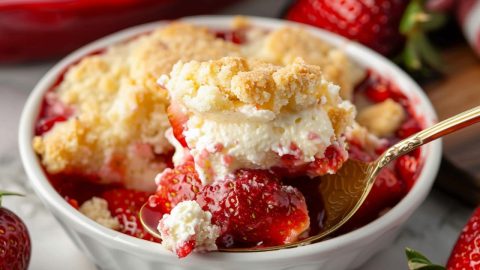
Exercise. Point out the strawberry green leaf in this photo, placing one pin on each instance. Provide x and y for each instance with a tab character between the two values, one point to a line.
409	20
419	54
417	261
411	56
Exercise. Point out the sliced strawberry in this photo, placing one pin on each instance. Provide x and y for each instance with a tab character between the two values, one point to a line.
387	191
466	252
253	208
125	204
175	185
178	120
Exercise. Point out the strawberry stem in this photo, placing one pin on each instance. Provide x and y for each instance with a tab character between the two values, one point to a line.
417	261
8	193
418	51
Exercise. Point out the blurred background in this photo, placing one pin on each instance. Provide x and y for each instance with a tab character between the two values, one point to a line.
437	42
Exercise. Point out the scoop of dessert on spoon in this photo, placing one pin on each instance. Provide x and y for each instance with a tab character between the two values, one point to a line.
344	192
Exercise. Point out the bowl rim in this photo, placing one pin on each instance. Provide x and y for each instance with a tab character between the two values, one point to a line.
337	245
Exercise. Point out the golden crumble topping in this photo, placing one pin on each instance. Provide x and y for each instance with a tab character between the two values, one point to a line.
284	45
231	82
118	128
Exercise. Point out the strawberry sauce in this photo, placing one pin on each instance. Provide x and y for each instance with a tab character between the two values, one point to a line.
392	183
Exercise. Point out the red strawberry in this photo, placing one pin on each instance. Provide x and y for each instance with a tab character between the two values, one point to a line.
466	252
15	246
175	185
331	162
253	208
374	23
178	120
385	193
407	167
409	127
382	25
125	204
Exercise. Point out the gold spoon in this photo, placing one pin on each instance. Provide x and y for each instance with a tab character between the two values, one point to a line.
344	192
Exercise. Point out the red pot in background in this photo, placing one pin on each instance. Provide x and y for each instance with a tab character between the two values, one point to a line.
42	29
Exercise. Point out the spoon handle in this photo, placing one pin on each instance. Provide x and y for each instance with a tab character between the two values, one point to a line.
427	135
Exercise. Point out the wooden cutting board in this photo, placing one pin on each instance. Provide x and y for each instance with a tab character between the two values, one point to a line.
459	90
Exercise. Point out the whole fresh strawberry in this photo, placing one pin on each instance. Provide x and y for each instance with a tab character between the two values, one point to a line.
125	204
15	246
465	254
386	26
374	23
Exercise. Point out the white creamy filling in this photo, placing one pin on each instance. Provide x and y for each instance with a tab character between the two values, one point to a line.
221	146
187	221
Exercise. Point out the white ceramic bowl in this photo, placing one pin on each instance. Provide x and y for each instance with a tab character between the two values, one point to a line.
113	250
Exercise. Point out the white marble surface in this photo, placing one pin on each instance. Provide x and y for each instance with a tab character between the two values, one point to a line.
433	229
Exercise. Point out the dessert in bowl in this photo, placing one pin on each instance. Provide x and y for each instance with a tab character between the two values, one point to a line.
204	81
